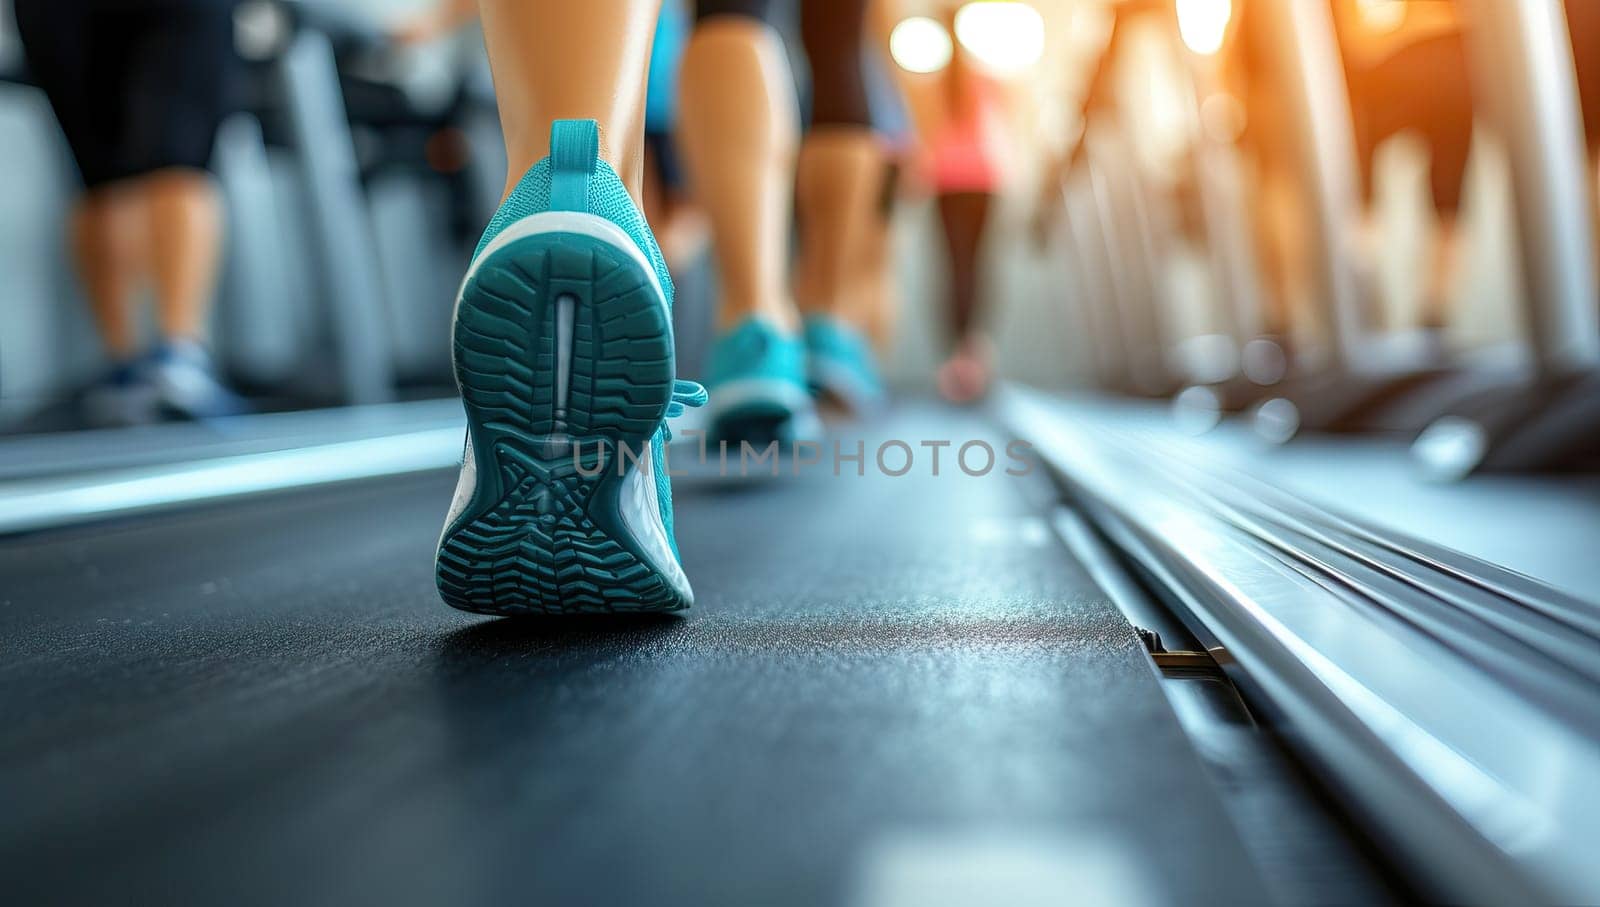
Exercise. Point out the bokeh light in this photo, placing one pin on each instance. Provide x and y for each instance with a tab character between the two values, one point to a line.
1003	36
920	44
1204	24
1386	15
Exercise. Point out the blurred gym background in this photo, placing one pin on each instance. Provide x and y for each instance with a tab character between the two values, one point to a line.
1278	273
421	134
423	138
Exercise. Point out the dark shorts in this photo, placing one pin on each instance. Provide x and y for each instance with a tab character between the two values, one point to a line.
664	156
137	85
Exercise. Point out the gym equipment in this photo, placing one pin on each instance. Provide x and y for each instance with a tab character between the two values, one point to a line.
1552	416
354	195
1428	687
1479	409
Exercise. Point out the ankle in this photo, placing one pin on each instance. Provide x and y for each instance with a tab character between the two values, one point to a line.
779	315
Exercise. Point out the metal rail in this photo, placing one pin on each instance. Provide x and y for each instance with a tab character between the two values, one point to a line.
1449	701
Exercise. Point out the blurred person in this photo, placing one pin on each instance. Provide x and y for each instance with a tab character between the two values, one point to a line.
966	179
679	223
870	261
843	192
1405	71
1408	74
959	122
735	112
1583	25
739	139
1098	100
139	89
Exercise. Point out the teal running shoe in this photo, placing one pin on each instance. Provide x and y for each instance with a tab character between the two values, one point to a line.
757	377
841	366
563	352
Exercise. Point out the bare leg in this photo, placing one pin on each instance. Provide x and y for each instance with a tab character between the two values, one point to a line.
737	124
879	304
1442	274
556	59
1280	242
838	191
183	210
965	375
106	242
1594	196
963	216
841	171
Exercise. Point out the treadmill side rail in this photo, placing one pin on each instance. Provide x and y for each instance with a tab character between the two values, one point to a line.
1455	713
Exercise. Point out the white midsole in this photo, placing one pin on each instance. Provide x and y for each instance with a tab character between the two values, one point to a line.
734	395
639	503
641	513
579	222
843	380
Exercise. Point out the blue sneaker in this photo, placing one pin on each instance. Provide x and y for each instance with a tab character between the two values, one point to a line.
757	375
122	397
841	366
563	352
188	384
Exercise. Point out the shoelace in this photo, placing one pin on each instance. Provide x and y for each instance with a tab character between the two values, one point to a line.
684	395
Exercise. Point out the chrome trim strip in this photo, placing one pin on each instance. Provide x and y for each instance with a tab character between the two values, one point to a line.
1492	793
35	504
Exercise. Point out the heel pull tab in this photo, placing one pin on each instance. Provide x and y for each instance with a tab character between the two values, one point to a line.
574	154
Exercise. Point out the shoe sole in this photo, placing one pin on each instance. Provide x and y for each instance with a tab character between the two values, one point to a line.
760	411
838	386
563	352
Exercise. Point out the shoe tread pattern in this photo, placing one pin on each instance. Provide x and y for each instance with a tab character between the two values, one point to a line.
541	536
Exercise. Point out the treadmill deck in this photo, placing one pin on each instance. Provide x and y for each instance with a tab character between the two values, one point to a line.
888	689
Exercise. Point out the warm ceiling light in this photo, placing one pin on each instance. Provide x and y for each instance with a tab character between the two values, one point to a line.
1204	24
1384	14
1003	35
920	44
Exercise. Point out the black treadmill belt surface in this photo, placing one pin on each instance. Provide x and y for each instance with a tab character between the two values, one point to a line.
888	688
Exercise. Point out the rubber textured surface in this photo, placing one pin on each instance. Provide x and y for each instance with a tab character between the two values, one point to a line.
563	351
266	704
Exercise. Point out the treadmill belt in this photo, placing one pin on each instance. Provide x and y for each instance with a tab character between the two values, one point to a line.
890	690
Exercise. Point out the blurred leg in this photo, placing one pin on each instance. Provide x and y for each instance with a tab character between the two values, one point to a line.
183	214
1445	264
75	56
1594	195
737	129
1280	240
107	245
841	168
964	216
557	59
678	222
879	305
174	76
1447	126
965	375
838	188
